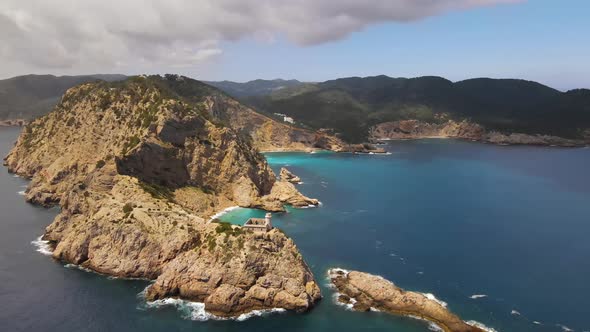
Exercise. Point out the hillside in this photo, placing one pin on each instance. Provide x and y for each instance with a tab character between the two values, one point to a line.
30	96
138	167
351	106
255	87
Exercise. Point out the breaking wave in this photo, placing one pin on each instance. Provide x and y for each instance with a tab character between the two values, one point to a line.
477	296
222	212
42	246
78	267
431	297
480	326
196	310
431	325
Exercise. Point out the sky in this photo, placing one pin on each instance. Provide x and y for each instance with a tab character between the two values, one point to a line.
309	40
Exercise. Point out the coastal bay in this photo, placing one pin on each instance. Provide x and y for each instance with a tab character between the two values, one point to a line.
385	214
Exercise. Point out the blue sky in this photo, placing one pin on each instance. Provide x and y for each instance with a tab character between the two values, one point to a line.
542	40
310	40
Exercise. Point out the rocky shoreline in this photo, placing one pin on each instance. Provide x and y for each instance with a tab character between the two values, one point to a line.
136	171
365	292
414	129
13	123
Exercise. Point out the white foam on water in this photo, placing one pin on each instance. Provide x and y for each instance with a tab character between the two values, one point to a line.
306	207
536	322
515	313
431	325
259	313
480	326
337	271
196	310
15	176
81	268
420	272
431	297
42	246
347	306
392	255
222	212
563	327
477	296
22	193
374	309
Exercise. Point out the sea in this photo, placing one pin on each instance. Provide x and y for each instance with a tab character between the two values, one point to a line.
499	233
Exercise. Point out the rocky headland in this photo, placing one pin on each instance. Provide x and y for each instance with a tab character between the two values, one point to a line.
363	292
415	129
136	167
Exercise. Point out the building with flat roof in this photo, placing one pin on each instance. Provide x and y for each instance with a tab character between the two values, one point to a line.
260	225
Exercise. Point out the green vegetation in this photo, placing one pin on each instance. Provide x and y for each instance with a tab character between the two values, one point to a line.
100	163
256	87
157	191
31	96
130	144
127	209
352	105
226	228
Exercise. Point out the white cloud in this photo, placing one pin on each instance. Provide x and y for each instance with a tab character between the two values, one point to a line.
96	35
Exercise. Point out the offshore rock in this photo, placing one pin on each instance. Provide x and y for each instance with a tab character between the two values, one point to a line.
365	291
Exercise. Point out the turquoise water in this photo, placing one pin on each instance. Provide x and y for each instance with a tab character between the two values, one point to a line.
446	217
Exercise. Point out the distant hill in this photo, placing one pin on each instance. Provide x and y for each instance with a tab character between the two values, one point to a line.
352	105
254	88
29	96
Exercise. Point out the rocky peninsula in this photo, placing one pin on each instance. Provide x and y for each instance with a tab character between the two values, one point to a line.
364	292
415	129
136	167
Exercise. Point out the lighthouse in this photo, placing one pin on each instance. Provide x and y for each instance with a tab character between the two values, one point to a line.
268	219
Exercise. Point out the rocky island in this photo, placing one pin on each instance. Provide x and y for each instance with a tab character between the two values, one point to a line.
364	292
137	166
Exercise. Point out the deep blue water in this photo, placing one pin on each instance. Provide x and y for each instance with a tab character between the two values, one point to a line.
446	217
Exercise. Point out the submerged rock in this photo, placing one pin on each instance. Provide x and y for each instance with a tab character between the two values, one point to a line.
363	292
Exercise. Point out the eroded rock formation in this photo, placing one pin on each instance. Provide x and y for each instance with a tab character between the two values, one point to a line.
286	175
136	167
364	291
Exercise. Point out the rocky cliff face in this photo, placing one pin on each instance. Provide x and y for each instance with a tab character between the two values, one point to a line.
137	169
415	129
363	291
268	134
